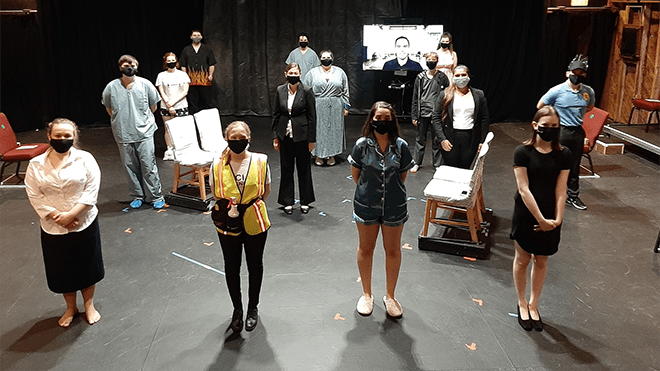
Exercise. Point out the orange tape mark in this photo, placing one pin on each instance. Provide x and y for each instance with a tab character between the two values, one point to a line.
470	259
479	301
128	230
339	317
359	279
407	246
167	205
206	212
472	346
208	243
161	211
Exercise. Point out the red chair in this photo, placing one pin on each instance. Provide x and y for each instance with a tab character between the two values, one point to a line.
592	123
651	105
11	152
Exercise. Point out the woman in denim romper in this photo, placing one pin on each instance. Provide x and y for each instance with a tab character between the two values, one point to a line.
381	160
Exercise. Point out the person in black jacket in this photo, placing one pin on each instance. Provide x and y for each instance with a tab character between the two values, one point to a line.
294	135
427	86
460	119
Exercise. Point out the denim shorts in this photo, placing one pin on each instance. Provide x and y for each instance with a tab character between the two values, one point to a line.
390	221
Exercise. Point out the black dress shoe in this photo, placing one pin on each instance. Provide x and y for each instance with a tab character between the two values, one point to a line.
304	209
537	325
252	319
526	324
288	210
237	320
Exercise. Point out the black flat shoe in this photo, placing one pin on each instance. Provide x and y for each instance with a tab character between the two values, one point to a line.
537	325
252	319
288	210
304	209
526	324
237	320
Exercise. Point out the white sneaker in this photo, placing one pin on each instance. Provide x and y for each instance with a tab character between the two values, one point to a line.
414	169
365	305
393	307
169	155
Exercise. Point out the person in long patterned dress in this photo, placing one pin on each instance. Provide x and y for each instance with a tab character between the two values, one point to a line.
330	86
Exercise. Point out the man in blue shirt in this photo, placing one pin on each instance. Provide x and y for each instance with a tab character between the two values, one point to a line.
572	100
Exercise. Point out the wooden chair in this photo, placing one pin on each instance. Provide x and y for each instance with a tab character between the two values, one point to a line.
189	159
459	191
11	152
210	131
593	123
651	105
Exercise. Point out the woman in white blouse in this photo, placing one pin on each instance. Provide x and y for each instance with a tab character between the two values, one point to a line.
460	120
62	185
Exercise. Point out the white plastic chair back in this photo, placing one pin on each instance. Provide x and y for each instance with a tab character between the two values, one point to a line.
184	139
210	131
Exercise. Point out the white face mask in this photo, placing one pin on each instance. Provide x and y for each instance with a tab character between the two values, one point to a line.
461	82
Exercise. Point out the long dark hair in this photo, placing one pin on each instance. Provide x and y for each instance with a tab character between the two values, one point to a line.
450	90
368	130
543	112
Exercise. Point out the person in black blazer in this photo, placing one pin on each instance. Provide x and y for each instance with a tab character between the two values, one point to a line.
460	120
294	136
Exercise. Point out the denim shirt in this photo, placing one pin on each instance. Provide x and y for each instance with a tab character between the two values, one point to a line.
380	190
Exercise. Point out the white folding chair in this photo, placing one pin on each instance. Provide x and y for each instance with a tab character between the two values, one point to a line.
210	131
189	159
458	190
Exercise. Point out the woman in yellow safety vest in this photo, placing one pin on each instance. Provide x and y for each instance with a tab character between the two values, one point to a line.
242	178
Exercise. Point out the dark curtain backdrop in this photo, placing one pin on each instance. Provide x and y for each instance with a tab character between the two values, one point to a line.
57	64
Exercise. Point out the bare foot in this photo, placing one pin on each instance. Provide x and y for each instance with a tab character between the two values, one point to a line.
66	319
92	315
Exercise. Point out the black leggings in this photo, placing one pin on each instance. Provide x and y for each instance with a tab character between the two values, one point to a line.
462	153
232	250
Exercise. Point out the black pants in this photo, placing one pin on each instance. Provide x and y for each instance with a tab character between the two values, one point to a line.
232	250
423	126
572	137
295	155
461	154
199	98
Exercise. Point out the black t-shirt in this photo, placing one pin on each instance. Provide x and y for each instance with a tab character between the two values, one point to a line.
197	63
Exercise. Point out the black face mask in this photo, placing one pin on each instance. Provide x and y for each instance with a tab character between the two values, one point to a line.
326	62
445	45
61	145
383	127
238	146
129	71
431	65
547	134
303	44
293	80
171	64
575	79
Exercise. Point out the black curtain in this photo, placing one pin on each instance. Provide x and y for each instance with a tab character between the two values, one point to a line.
57	63
251	39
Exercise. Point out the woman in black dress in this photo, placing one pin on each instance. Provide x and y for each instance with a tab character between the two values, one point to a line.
62	185
294	135
541	167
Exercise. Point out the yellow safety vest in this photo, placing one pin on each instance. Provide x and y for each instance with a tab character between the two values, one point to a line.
255	219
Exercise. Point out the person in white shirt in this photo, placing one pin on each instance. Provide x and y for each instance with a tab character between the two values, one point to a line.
460	120
62	185
173	86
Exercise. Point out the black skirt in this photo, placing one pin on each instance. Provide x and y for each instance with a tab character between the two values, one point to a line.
73	261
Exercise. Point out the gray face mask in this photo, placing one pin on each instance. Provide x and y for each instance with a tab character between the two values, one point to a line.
196	40
461	82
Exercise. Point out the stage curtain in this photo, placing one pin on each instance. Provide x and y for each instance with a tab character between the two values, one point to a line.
251	39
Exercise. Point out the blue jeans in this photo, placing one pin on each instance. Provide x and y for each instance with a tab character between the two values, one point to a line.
139	160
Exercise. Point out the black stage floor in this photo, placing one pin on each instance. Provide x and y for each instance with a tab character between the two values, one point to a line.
601	301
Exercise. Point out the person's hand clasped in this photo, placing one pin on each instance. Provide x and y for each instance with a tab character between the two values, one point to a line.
546	225
65	219
446	145
276	144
